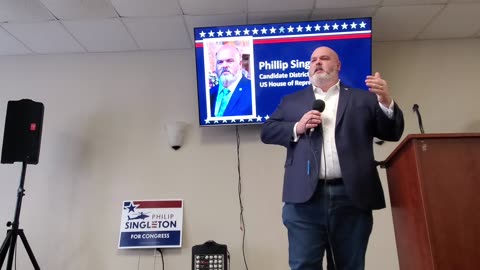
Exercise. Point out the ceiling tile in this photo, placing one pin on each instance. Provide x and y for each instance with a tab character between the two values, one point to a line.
11	46
346	3
103	35
278	17
389	23
213	7
129	8
449	25
279	5
342	13
80	9
159	32
214	20
44	37
124	25
23	11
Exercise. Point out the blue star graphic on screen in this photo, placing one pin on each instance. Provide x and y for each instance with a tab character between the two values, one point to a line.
130	206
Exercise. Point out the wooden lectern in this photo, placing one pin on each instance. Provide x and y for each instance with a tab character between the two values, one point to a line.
434	185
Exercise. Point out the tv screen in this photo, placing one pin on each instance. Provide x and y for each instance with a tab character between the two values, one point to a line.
243	71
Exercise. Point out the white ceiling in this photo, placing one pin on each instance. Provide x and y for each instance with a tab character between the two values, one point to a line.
80	26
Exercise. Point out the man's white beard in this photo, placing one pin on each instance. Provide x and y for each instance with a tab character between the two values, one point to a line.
227	79
319	79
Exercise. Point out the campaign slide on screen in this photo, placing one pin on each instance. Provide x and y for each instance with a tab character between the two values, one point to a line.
244	71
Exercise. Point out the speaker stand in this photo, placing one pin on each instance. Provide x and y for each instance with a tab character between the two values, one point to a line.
11	239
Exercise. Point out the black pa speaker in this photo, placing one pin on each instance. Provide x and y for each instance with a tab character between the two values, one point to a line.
23	131
210	256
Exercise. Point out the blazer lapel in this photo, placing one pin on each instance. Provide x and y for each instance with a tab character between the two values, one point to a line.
344	97
309	98
233	100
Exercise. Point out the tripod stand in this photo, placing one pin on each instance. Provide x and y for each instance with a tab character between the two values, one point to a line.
11	239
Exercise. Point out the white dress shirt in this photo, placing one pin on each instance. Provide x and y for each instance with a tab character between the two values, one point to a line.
329	163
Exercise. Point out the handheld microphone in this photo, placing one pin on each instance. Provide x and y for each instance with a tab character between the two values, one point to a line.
318	105
419	117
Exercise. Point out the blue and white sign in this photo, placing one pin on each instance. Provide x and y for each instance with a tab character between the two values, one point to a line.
151	224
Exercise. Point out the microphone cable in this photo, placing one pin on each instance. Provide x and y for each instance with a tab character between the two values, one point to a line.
315	168
325	202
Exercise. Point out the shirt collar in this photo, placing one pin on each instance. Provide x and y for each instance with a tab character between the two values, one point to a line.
334	88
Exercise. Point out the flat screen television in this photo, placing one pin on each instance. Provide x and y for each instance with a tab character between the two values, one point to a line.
251	67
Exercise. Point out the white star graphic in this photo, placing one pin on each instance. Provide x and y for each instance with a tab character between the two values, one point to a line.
246	31
237	32
308	28
233	121
344	26
326	27
255	31
362	24
224	121
259	118
250	120
241	120
267	117
220	33
202	34
353	25
290	29
282	29
318	27
299	28
216	122
211	33
229	33
273	30
335	26
207	121
264	30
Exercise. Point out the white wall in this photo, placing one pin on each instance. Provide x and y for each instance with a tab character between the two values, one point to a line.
103	142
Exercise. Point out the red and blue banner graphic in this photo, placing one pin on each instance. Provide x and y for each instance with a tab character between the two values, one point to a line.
151	224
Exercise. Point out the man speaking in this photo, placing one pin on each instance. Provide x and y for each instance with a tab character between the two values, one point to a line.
331	183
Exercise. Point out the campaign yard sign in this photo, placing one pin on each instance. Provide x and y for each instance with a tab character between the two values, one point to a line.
151	224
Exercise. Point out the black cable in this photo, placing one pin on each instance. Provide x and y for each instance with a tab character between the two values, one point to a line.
242	220
312	169
228	259
161	255
326	200
316	165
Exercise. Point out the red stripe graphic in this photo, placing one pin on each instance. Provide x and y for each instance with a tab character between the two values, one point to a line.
158	204
317	38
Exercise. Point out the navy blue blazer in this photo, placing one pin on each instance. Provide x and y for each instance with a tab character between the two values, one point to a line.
359	119
241	101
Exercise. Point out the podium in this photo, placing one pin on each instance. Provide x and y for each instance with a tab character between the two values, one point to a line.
434	186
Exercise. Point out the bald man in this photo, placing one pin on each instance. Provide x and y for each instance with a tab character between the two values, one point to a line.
331	184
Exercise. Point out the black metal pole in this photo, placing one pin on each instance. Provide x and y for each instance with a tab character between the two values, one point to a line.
11	239
16	220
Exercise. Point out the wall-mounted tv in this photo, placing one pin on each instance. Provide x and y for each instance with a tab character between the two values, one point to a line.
243	71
